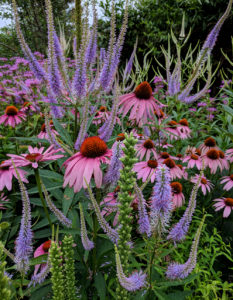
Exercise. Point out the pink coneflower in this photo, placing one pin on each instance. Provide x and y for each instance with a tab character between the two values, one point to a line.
35	156
211	160
228	180
141	103
43	134
164	155
147	148
7	174
175	171
223	160
111	205
178	197
85	163
41	250
205	183
28	107
208	144
229	155
183	128
3	200
145	169
172	130
226	203
102	115
193	161
183	170
12	116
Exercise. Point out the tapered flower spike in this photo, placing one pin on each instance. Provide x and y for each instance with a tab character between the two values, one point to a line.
144	223
174	81
179	231
113	172
181	271
161	201
68	255
23	248
53	72
51	136
111	233
92	46
126	184
87	244
5	292
41	276
60	216
83	129
129	65
36	68
57	278
106	130
202	57
132	283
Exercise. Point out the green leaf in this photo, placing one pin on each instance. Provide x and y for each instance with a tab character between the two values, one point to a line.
63	132
39	260
228	109
100	286
67	199
51	175
177	282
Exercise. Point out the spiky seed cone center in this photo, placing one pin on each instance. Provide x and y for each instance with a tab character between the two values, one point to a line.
180	166
5	167
26	103
152	163
46	246
176	187
143	91
103	109
172	124
203	181
148	144
32	157
210	142
93	147
231	176
165	155
228	201
11	110
221	154
120	137
169	163
184	122
212	154
194	156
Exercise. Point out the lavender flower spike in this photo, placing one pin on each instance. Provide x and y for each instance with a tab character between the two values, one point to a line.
134	282
87	244
106	130
41	276
111	233
61	217
36	68
161	204
144	223
23	248
181	271
113	172
179	231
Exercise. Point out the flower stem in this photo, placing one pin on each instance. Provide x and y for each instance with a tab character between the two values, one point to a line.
38	182
75	122
95	230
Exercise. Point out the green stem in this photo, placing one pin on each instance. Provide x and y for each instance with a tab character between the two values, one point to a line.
75	123
95	231
38	182
150	266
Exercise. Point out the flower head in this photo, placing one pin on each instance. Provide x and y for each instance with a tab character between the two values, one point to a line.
146	169
85	163
7	174
12	116
226	203
146	148
141	103
228	180
205	183
178	197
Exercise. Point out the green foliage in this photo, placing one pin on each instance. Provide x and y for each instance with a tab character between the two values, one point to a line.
5	292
